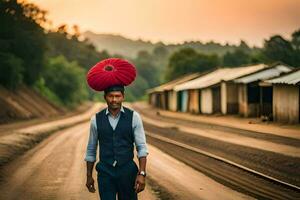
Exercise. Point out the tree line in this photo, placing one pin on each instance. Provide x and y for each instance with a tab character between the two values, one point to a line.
276	48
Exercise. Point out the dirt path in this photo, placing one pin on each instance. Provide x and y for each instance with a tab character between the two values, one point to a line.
54	169
12	127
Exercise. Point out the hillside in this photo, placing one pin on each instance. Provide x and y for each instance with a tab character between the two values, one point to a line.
116	44
24	103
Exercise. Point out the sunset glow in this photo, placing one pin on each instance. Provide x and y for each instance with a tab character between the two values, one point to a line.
219	20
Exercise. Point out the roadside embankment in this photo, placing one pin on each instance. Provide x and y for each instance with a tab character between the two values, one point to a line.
18	141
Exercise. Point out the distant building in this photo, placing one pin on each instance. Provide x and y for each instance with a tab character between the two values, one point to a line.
205	100
254	100
285	96
164	96
215	92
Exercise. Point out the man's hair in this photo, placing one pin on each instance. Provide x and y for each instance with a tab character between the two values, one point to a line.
106	93
114	88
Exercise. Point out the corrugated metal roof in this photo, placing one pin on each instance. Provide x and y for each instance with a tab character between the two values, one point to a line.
264	74
292	78
171	84
242	71
217	76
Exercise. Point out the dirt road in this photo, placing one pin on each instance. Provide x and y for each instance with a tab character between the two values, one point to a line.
54	169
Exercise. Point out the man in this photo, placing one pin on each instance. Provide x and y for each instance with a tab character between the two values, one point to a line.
117	129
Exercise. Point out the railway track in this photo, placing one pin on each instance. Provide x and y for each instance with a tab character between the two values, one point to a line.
229	173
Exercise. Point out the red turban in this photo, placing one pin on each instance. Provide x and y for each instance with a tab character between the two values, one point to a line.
110	72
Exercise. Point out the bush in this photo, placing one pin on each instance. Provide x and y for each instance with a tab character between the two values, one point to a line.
11	70
46	92
66	80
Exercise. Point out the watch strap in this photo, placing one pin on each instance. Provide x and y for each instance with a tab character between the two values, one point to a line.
143	173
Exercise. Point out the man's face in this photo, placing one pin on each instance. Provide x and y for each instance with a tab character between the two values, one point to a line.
114	99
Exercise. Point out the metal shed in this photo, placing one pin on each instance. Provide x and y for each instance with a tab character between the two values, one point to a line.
254	100
218	92
286	96
206	99
164	97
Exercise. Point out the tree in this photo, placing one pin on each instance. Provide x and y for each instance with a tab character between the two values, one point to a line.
160	56
296	40
296	45
59	43
236	58
187	60
244	46
137	89
21	35
160	52
146	68
65	79
11	69
279	49
240	56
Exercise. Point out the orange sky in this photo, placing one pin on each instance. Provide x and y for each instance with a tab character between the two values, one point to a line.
173	21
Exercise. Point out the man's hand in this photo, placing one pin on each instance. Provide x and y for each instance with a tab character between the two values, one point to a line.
139	183
90	184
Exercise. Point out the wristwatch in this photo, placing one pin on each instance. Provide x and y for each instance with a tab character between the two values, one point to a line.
143	173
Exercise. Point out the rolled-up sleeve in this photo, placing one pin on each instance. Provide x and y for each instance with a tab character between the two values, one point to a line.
139	135
91	150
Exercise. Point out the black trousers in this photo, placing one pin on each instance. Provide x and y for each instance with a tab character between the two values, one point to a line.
117	181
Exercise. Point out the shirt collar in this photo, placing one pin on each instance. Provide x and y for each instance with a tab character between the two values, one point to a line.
107	111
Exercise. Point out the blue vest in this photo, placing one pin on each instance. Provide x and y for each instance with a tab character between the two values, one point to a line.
116	146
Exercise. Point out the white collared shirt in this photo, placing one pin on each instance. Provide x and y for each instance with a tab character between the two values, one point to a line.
138	131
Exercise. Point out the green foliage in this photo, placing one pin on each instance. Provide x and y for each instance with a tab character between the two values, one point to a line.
22	36
279	49
147	76
74	49
160	58
99	97
257	57
188	61
160	52
129	97
242	55
65	79
149	69
24	47
146	68
296	40
296	46
41	87
138	88
85	54
144	97
11	70
275	49
236	58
